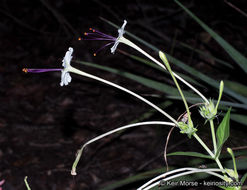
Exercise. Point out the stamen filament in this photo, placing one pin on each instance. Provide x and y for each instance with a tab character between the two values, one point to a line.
100	33
102	48
26	70
103	39
96	34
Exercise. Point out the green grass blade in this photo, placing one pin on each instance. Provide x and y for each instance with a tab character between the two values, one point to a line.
193	154
205	78
244	178
165	39
239	118
237	87
234	54
144	81
226	64
194	100
153	65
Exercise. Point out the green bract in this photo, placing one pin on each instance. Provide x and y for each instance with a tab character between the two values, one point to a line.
232	173
186	129
208	111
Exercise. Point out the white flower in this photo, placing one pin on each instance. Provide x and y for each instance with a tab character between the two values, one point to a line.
120	35
65	76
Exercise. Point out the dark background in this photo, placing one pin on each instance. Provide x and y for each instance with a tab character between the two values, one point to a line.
42	124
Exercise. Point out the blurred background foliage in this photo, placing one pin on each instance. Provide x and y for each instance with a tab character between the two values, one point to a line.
42	125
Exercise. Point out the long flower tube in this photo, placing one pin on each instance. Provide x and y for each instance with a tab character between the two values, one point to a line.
79	72
131	44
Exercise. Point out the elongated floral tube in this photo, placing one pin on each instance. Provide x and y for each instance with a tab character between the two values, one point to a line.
77	71
131	44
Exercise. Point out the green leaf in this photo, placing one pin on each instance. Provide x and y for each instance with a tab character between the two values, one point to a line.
244	178
234	54
207	55
194	154
144	81
223	131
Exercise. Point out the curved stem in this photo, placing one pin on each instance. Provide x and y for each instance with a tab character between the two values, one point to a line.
164	175
131	44
164	59
79	153
74	70
26	183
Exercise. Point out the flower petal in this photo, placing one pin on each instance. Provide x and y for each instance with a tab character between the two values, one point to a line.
120	34
67	58
65	78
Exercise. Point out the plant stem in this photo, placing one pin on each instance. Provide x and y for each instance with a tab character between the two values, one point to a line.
209	151
79	152
203	145
164	59
229	150
219	164
26	183
213	135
